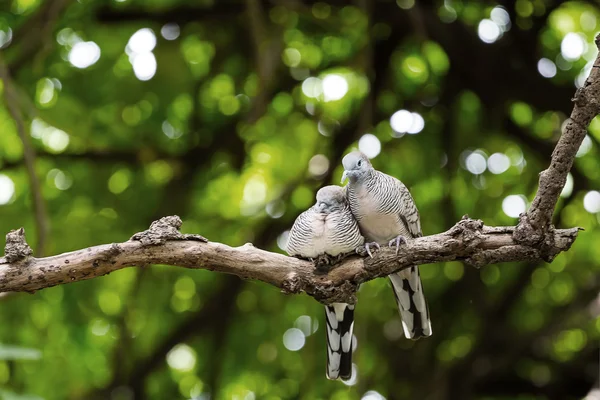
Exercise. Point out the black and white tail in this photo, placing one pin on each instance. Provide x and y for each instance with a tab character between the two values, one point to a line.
340	322
411	303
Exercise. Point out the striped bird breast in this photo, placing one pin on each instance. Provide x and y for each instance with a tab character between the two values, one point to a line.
331	235
377	223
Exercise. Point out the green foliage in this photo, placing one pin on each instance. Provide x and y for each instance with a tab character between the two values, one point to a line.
242	120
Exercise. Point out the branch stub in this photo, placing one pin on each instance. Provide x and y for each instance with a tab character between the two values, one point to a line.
16	248
166	228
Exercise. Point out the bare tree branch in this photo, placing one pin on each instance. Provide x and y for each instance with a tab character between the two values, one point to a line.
468	240
11	101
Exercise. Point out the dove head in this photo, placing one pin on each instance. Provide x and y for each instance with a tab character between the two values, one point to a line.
356	167
330	198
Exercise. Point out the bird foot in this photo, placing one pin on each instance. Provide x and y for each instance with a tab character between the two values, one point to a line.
323	260
361	250
396	242
367	248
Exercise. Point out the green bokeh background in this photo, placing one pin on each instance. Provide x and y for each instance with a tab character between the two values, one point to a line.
225	135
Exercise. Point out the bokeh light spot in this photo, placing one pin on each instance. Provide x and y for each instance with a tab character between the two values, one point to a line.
282	240
514	205
144	66
546	68
55	139
369	145
335	87
372	395
500	16
5	37
61	180
498	163
84	54
591	201
417	125
585	147
275	208
353	377
318	165
404	121
476	162
568	188
312	87
292	57
306	324
572	46
142	41
488	31
293	339
170	31
7	189
182	358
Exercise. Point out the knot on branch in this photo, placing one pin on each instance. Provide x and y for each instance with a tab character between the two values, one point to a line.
166	228
16	248
470	232
526	234
548	242
292	284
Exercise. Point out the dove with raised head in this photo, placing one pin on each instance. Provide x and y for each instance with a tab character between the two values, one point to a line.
387	215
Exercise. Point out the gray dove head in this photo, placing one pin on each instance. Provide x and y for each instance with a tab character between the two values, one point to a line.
356	166
330	198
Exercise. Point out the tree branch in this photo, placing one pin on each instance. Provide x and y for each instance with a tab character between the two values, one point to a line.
469	240
11	100
534	225
36	34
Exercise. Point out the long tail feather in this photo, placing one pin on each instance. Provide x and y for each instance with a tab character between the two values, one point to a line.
411	303
340	323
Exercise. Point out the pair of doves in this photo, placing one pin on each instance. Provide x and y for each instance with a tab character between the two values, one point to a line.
373	209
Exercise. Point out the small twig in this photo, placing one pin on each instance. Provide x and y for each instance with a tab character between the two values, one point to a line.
12	101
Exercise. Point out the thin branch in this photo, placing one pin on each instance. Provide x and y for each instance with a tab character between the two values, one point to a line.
469	240
266	53
538	220
11	101
36	34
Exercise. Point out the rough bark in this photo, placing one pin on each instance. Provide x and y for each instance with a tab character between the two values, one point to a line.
469	240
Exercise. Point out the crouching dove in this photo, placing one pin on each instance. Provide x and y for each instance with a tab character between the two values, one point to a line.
329	229
387	214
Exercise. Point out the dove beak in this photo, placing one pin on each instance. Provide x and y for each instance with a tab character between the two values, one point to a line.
344	176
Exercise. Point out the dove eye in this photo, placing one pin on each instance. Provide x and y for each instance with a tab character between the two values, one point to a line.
359	163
